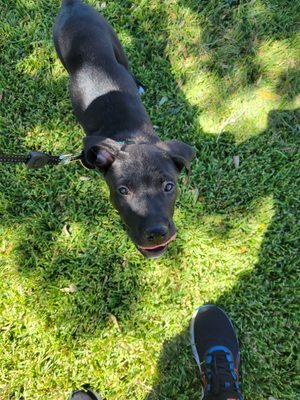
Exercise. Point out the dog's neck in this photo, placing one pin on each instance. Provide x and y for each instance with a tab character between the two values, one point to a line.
146	135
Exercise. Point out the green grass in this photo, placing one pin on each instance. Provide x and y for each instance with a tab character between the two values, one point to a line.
229	72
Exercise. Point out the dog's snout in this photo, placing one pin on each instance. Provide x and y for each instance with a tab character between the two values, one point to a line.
157	233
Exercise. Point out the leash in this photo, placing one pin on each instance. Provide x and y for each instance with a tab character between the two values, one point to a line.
36	159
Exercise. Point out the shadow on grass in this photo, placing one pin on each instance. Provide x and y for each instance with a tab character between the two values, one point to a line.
233	30
288	85
262	304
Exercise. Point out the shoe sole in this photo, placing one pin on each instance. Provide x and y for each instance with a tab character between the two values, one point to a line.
194	349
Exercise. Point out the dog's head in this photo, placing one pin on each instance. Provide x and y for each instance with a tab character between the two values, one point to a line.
142	180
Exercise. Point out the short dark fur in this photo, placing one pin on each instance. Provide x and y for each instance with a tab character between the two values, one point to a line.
120	140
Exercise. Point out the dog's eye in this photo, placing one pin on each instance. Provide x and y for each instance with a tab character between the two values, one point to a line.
123	190
169	186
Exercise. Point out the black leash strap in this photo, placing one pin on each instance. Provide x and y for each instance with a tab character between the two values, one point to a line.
37	159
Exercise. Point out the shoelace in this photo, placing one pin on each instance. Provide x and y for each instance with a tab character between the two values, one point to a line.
221	376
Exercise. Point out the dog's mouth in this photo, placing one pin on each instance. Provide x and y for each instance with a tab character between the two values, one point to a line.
156	250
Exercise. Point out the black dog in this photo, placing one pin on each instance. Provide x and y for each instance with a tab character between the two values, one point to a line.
140	170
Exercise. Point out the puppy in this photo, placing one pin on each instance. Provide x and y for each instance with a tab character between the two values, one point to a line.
140	169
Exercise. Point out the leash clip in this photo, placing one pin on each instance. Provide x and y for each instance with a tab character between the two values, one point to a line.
66	158
37	159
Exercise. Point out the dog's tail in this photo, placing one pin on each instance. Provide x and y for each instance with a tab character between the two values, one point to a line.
69	2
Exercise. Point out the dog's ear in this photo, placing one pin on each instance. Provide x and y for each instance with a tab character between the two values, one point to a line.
180	153
100	152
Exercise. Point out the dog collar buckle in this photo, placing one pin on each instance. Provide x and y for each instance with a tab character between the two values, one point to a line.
125	141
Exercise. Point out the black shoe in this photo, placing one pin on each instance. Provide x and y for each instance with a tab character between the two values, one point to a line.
86	394
216	351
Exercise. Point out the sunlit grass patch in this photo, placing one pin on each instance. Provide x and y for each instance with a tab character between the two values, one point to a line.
226	105
236	76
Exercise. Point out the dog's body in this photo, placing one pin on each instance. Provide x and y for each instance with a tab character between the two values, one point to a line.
141	171
103	92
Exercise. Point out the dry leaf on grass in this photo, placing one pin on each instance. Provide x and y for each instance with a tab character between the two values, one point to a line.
236	161
268	95
185	180
163	100
71	289
196	195
185	53
66	231
113	320
6	249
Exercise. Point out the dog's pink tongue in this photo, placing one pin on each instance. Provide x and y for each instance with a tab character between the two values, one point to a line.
158	245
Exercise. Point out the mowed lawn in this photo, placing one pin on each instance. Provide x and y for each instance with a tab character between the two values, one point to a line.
78	303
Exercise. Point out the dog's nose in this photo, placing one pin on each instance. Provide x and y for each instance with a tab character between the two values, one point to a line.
157	233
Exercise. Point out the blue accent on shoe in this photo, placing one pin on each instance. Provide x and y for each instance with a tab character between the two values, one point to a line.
221	348
210	369
208	359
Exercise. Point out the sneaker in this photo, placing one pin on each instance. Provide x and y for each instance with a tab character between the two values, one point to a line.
216	351
86	394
